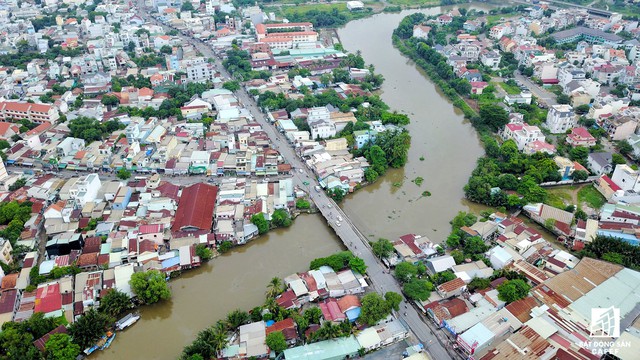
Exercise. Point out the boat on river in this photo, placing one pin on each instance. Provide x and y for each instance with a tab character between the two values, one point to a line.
127	321
103	343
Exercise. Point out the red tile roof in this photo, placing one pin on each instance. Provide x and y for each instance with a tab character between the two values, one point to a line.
612	185
9	281
451	286
8	301
281	325
48	298
521	309
196	206
348	302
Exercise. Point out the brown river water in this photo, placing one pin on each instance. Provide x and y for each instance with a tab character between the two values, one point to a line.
238	279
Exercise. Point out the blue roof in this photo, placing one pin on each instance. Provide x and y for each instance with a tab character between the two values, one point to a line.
353	314
171	262
270	322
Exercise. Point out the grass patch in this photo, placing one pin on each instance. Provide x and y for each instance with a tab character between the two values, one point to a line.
418	181
556	89
558	198
591	197
288	10
510	89
397	184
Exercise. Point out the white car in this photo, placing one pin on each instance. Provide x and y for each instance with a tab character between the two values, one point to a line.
329	206
339	218
300	171
338	223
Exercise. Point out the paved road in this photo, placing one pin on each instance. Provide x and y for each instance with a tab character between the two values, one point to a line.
542	94
381	280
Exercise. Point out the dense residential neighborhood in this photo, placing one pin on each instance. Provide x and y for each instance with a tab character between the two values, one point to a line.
139	140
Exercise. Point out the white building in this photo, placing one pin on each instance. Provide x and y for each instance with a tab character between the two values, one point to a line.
86	189
626	178
561	118
522	134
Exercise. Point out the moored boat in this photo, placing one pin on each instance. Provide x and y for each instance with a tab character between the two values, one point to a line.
127	321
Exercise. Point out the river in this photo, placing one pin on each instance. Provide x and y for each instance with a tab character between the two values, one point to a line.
440	134
444	145
236	280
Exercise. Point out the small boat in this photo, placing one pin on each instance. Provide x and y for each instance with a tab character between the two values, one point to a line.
90	350
110	337
127	321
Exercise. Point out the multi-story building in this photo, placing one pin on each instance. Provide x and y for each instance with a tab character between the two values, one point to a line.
561	118
286	36
37	113
522	134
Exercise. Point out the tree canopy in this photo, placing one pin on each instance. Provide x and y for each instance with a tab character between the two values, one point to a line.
276	341
512	290
60	347
150	286
374	308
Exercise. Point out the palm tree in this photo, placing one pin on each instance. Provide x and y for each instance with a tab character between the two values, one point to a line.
236	318
274	288
219	337
271	305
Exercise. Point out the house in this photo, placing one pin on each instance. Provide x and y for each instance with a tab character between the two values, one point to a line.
440	263
560	119
522	134
421	31
586	231
195	209
7	130
491	59
607	187
600	163
634	141
580	136
620	127
452	288
287	327
252	340
444	19
9	302
626	178
499	257
477	87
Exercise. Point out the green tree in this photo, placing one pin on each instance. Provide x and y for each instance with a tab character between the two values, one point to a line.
393	300
276	341
613	257
417	289
479	284
624	147
187	6
204	252
337	194
374	308
225	246
281	218
302	204
231	85
275	287
110	100
259	221
405	271
357	264
88	328
60	347
579	175
493	116
123	174
150	286
382	248
582	109
617	159
453	240
475	245
237	318
563	99
166	49
512	290
115	303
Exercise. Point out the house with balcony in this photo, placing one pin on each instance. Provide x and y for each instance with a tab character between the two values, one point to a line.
580	136
522	134
560	119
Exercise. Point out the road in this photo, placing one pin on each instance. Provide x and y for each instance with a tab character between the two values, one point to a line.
353	239
543	95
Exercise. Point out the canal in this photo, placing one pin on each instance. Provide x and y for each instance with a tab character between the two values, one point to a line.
236	280
444	146
393	206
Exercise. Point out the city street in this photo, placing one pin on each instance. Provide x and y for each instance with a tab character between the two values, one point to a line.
543	95
379	277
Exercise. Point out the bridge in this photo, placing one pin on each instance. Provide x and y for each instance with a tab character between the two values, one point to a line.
381	280
564	4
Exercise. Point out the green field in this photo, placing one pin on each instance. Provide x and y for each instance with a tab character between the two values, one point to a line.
590	196
559	197
510	89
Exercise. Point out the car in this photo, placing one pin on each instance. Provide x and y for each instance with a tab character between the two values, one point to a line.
338	223
339	218
306	183
300	171
329	206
